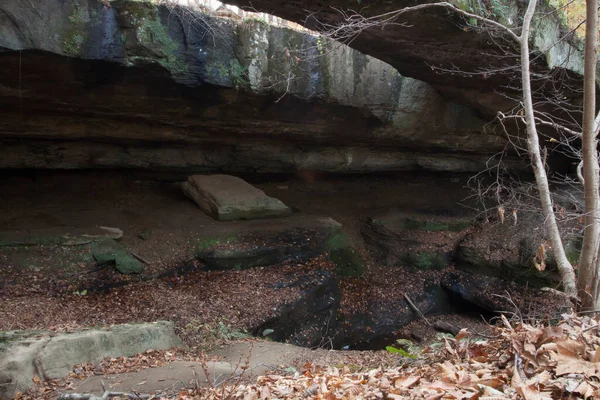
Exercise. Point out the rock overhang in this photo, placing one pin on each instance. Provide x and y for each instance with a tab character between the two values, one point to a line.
437	45
138	79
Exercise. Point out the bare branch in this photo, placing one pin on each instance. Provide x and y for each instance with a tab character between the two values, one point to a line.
355	23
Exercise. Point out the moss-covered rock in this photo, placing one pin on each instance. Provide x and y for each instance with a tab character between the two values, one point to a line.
344	255
417	241
241	258
272	247
146	36
573	249
433	225
76	36
423	260
211	243
111	252
513	252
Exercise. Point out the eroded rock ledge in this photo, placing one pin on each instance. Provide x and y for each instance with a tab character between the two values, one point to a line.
453	54
141	86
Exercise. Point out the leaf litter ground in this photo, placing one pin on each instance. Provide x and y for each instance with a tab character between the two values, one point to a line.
517	361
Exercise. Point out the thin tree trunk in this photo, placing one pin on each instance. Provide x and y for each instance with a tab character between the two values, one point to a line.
564	266
587	282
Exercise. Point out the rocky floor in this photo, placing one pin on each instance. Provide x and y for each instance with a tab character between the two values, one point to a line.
62	287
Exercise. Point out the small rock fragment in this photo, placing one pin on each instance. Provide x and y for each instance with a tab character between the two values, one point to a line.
111	252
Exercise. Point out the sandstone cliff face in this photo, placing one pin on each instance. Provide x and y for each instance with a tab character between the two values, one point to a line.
453	54
145	86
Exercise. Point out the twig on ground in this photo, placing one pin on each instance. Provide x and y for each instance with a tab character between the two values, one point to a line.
142	259
105	396
446	328
196	379
505	322
419	313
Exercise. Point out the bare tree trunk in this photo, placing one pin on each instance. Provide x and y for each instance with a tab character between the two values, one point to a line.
587	282
565	269
564	266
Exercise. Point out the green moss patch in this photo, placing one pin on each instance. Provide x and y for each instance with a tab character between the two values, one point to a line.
75	37
573	249
151	33
211	243
153	36
111	252
433	226
426	260
345	257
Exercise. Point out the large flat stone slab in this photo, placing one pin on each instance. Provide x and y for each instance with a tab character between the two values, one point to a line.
228	198
167	378
260	357
63	236
23	356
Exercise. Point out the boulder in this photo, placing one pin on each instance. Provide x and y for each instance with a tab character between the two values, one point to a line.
417	242
491	294
511	251
111	252
228	198
25	355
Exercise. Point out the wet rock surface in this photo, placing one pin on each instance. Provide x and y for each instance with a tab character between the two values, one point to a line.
311	321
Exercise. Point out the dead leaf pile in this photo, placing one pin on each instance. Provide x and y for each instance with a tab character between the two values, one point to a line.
521	362
49	388
518	362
